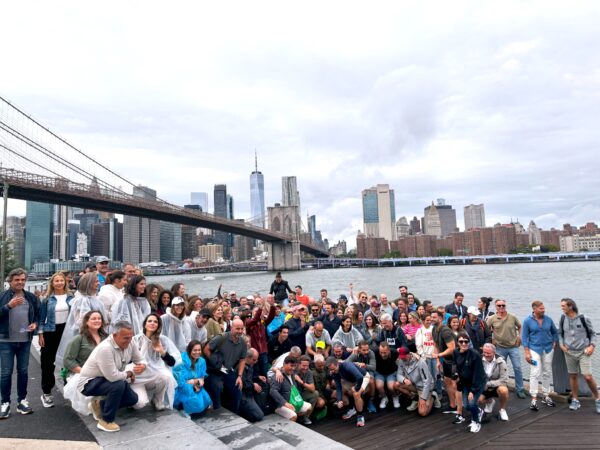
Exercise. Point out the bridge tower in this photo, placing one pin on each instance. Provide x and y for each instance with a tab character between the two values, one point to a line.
284	255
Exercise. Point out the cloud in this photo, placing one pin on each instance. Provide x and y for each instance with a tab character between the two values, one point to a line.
492	103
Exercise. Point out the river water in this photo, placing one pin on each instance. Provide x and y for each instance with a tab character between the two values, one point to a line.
518	284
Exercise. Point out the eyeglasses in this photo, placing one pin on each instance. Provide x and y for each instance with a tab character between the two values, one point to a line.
463	341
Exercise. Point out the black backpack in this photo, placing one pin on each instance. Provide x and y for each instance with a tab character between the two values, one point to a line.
583	323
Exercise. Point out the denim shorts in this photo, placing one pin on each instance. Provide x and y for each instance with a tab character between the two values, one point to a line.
385	378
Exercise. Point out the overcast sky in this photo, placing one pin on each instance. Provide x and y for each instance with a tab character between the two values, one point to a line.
474	102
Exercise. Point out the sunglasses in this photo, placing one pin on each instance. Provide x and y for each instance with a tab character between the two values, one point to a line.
463	341
500	306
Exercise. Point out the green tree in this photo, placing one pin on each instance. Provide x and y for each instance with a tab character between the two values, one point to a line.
445	252
10	262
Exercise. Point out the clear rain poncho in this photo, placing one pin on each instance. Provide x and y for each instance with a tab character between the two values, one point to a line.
80	306
156	365
132	310
173	328
192	331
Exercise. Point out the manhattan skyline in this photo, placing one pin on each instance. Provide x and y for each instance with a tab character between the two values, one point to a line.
467	104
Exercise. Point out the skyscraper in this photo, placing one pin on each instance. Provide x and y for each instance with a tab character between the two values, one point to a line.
222	209
141	236
402	227
60	236
289	192
170	242
442	213
379	212
257	196
38	233
201	199
474	216
15	235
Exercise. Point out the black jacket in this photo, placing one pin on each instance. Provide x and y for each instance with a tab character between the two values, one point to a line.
280	290
452	309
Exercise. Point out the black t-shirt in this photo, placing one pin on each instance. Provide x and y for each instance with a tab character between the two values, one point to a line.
387	366
442	337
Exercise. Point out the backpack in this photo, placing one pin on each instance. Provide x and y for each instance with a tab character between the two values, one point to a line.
583	323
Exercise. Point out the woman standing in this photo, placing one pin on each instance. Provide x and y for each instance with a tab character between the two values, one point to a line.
84	301
164	302
471	379
371	328
152	291
214	325
54	311
174	322
483	304
78	351
347	335
112	291
190	394
410	330
161	355
178	290
134	307
194	305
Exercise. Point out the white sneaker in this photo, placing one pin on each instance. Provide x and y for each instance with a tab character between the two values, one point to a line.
396	401
47	400
489	406
475	427
413	406
436	400
503	415
383	403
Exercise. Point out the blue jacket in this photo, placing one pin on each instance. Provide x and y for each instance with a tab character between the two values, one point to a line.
47	320
350	372
539	339
34	311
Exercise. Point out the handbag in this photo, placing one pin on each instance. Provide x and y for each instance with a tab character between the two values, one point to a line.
296	399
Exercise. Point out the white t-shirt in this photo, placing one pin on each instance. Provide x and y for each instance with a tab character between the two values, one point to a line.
62	309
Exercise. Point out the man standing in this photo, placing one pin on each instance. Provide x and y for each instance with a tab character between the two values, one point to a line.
330	320
444	354
102	263
302	298
506	337
393	335
279	343
107	373
539	337
19	314
578	340
280	288
456	308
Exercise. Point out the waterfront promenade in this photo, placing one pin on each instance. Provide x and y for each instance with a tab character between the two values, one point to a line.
61	427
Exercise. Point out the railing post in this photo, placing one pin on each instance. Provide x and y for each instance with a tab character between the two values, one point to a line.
3	245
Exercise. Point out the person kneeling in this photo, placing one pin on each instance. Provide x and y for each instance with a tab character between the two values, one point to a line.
414	380
286	395
106	373
190	394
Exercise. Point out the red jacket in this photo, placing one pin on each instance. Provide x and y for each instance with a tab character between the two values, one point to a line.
257	331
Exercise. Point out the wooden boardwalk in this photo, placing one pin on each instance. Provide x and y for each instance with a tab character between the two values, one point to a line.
549	428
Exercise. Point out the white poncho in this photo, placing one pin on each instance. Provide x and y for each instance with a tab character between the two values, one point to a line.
173	328
132	310
156	365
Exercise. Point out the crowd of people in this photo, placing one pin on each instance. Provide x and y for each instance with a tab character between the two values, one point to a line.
118	341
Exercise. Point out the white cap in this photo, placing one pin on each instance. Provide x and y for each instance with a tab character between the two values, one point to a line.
473	310
177	301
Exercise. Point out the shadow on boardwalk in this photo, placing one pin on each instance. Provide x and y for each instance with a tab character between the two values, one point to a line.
548	428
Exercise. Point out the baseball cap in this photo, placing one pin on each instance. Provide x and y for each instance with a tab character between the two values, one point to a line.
473	310
320	344
343	297
177	301
100	259
250	297
403	353
375	303
90	265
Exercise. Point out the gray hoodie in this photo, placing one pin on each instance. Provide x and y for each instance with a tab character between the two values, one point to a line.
573	335
417	371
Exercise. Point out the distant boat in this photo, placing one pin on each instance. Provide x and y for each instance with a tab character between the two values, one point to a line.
207	278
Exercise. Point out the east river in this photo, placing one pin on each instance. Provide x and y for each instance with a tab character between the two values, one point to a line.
519	284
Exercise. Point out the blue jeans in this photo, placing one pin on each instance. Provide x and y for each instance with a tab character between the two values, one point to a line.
515	358
432	364
8	352
472	406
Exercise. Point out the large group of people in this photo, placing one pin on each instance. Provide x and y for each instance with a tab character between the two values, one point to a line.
118	341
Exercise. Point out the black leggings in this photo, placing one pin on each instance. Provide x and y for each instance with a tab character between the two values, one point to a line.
48	355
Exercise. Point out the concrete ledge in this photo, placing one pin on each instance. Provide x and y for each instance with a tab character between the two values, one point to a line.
27	444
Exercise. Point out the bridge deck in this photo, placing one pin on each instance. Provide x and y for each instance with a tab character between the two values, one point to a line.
548	428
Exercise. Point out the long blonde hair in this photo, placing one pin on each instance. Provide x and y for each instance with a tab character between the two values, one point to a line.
50	290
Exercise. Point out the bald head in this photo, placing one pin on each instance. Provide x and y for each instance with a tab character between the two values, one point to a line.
237	328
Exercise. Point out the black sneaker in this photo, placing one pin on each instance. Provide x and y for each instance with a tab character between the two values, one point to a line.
23	407
4	410
534	406
458	420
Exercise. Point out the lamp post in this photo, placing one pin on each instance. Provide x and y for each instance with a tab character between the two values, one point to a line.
3	240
